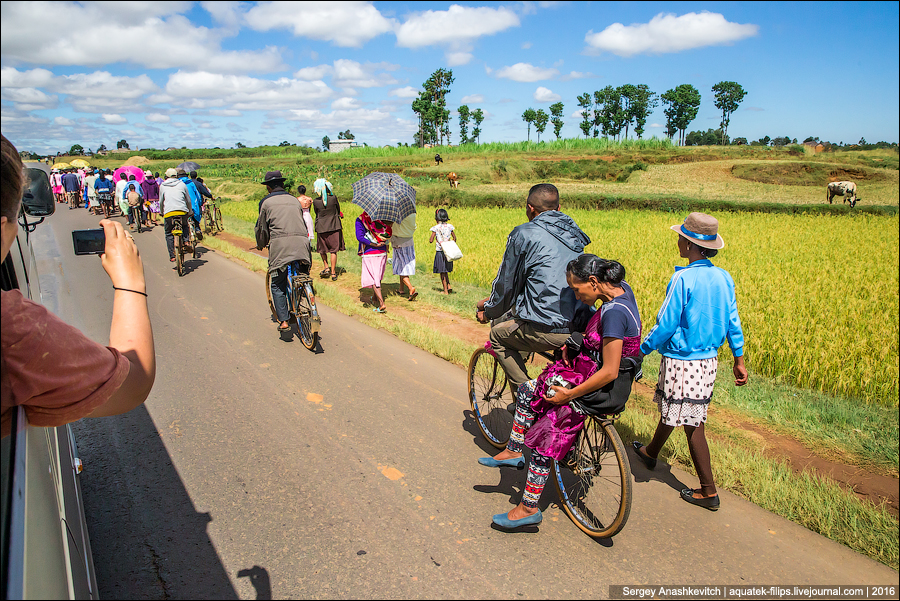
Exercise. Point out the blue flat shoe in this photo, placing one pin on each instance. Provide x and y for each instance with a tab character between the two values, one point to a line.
504	522
516	462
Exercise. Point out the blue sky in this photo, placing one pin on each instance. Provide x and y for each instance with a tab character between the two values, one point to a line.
204	74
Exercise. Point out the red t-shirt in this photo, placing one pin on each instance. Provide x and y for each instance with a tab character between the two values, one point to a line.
57	373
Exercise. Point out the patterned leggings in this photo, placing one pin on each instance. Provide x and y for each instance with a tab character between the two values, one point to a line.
539	466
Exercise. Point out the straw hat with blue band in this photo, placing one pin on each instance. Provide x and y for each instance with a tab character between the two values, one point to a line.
702	230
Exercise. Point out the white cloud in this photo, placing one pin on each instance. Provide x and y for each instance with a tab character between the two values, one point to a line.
361	121
157	118
345	24
526	45
114	119
472	98
351	74
576	75
145	33
313	73
63	121
543	94
455	59
203	90
29	99
669	33
407	92
225	113
346	104
181	124
526	72
456	25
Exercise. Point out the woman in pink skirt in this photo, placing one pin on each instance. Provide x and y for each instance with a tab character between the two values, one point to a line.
373	237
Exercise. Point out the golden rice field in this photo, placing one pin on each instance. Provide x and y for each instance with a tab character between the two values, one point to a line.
713	180
818	296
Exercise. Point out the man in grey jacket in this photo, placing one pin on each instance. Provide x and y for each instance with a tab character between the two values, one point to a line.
531	284
280	226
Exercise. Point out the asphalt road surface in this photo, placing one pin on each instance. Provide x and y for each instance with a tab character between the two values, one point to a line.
259	469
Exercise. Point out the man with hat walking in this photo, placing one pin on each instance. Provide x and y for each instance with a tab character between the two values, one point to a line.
280	226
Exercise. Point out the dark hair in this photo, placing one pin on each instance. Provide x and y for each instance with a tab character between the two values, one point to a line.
441	215
544	197
12	176
587	265
193	175
708	253
301	189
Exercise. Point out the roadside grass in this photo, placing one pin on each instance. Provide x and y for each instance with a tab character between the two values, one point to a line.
813	502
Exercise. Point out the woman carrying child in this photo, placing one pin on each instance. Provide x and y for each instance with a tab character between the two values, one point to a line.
442	232
373	237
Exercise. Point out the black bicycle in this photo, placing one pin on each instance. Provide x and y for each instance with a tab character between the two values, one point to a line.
301	298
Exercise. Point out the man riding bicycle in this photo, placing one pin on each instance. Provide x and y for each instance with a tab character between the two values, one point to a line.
280	226
530	291
175	207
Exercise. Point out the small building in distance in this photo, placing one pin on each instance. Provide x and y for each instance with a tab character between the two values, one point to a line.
341	145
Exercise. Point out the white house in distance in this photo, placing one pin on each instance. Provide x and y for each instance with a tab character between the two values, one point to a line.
341	145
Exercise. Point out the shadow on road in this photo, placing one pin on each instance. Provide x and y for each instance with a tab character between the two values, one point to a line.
259	578
662	473
148	539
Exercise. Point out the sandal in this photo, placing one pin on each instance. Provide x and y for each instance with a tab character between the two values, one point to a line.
413	296
334	278
379	310
325	273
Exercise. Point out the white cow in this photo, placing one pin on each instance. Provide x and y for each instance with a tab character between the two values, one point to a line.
847	190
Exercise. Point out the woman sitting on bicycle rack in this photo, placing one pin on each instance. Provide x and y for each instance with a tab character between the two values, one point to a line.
554	415
280	226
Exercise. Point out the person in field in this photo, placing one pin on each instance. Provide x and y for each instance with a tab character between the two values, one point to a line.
442	232
373	237
697	316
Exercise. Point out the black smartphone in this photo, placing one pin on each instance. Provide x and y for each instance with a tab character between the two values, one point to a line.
89	242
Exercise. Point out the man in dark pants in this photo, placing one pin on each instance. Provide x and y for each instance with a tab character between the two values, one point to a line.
280	226
530	288
174	198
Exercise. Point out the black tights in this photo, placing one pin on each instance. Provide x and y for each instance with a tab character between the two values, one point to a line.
696	439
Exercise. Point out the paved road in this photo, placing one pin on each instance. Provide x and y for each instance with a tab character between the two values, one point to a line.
258	469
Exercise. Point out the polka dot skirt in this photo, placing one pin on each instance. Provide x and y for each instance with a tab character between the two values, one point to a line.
684	390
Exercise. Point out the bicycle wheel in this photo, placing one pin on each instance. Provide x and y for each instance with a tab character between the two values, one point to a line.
218	219
207	221
304	311
595	487
269	295
179	255
489	395
136	215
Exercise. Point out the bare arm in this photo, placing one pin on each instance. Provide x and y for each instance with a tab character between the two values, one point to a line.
130	332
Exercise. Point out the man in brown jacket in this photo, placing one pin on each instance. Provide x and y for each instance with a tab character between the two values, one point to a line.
280	226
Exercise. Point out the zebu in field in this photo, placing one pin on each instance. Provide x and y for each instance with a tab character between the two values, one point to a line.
847	190
453	179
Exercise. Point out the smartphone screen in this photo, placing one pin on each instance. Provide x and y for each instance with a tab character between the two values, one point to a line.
89	242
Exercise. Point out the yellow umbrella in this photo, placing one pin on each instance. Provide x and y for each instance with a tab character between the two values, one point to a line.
61	165
79	163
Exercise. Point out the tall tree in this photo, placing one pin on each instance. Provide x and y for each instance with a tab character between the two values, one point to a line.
556	112
76	149
681	106
346	135
478	117
529	117
587	120
638	102
122	144
729	95
431	107
609	117
325	142
464	115
540	122
101	148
